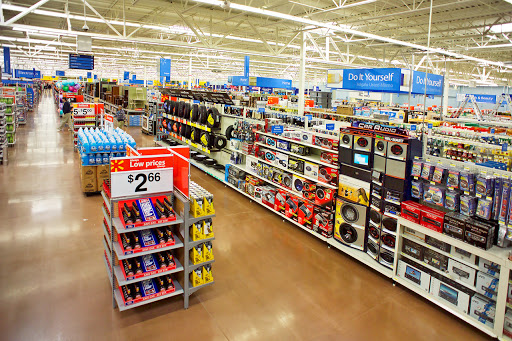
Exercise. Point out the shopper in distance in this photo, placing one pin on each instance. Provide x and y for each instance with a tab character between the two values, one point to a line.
66	115
120	116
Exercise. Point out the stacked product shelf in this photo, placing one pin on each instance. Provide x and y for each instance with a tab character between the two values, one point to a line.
21	105
3	133
11	120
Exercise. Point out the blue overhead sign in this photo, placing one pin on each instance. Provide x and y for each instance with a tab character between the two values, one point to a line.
81	61
60	73
246	66
239	81
31	74
165	69
434	83
7	60
274	83
485	98
126	75
380	80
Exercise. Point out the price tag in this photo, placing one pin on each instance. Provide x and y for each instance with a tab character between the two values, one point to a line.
261	109
430	126
504	147
309	117
141	176
413	127
277	129
329	126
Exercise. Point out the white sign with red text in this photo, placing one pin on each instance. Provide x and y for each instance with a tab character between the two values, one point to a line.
141	175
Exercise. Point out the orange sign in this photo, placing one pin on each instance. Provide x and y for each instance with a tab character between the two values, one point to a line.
273	100
309	103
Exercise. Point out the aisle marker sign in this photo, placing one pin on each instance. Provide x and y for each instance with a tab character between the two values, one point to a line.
141	175
109	122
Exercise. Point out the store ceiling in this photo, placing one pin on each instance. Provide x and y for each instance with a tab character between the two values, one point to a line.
339	33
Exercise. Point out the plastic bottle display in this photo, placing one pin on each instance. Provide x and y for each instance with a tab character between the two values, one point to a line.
97	146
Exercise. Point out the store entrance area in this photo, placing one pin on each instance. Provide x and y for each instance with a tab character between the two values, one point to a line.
273	281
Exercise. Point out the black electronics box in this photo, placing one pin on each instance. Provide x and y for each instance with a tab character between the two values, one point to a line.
438	244
455	224
480	234
236	173
435	259
412	249
357	173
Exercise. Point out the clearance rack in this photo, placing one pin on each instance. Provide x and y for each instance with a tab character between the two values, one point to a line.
179	270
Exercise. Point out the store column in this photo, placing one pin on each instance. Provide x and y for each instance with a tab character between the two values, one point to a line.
446	90
189	81
302	73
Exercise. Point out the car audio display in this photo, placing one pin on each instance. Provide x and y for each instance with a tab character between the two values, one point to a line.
350	223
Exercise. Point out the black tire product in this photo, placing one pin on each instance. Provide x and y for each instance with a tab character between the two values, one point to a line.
198	135
193	153
195	113
202	114
205	139
219	167
193	134
183	130
188	131
179	109
210	118
220	142
210	162
186	111
229	132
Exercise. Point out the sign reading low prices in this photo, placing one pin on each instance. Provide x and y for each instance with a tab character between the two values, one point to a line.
141	175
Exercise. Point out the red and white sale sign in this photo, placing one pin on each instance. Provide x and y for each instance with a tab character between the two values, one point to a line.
84	109
141	175
109	118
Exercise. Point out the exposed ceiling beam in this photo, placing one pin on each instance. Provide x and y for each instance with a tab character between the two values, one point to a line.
25	12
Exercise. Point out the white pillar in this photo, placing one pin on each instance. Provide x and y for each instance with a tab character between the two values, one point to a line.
145	76
446	90
189	81
302	74
327	48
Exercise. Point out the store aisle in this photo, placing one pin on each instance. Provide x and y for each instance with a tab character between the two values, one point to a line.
273	280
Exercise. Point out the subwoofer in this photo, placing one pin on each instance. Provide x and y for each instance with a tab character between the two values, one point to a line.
350	224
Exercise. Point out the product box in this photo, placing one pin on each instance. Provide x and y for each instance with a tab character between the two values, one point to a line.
280	201
207	228
411	211
413	274
281	160
412	249
413	233
479	234
327	157
103	171
207	252
207	274
311	169
487	285
435	259
196	231
483	309
438	244
507	326
306	215
450	294
461	272
269	196
463	255
323	222
292	207
307	137
354	190
432	219
324	197
454	225
196	277
89	184
88	172
328	175
296	165
196	254
488	267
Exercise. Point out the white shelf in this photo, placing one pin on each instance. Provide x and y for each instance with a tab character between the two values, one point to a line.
120	228
105	198
270	182
494	254
122	281
442	273
117	248
301	175
299	142
425	245
361	256
465	317
318	235
210	171
194	289
122	307
304	157
507	124
107	237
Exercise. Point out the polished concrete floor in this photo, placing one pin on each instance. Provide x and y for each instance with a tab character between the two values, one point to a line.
273	280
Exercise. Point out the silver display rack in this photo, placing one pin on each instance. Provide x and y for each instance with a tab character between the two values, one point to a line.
181	227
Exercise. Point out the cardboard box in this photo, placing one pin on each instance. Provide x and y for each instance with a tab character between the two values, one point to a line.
487	285
413	274
462	272
479	234
196	231
89	184
432	219
488	267
413	233
311	170
450	294
454	225
463	255
411	211
306	215
88	172
412	249
483	309
280	201
103	171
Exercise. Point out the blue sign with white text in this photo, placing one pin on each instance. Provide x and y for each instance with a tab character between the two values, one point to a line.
240	81
7	60
329	126
246	66
89	74
60	73
126	75
274	83
31	74
165	68
485	98
381	80
277	129
434	83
